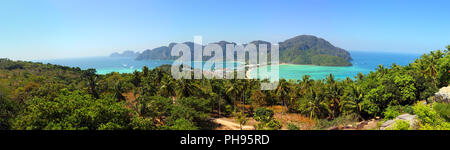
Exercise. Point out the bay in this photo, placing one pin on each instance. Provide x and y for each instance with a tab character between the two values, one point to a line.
363	62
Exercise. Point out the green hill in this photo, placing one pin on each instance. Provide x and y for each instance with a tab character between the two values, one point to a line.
304	49
308	49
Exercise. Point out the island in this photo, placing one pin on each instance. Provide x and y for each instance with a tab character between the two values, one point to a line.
127	53
303	49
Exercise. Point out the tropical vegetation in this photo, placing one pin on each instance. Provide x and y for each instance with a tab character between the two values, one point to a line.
51	97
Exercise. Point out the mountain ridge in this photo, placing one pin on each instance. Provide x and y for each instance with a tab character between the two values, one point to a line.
127	53
302	49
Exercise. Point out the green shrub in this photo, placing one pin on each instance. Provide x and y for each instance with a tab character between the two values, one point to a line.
443	110
393	111
182	124
73	111
390	113
153	106
228	110
8	110
265	117
141	123
273	125
263	114
429	119
339	121
199	104
292	126
400	125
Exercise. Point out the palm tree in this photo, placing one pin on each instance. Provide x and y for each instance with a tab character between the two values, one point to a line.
359	77
381	70
90	76
232	90
333	95
186	88
159	74
430	62
282	92
315	104
148	86
118	90
167	88
305	84
243	87
136	80
145	71
217	90
353	99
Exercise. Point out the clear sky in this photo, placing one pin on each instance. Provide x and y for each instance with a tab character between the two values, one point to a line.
47	29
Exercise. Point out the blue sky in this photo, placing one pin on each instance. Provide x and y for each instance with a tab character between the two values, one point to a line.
47	29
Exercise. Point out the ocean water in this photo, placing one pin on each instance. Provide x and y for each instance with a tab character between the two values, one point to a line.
363	62
105	65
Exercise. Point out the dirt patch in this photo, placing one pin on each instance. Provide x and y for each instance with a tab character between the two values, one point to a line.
130	99
277	108
303	122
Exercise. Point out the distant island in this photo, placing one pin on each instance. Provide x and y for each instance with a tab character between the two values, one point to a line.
303	49
127	53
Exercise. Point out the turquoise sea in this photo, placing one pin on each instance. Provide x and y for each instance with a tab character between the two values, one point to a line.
105	65
362	62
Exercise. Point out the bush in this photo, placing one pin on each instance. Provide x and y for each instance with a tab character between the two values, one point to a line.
400	125
241	118
393	111
228	110
443	110
199	104
265	117
429	119
292	126
188	113
263	114
141	123
73	111
339	121
182	124
390	113
273	125
8	110
153	106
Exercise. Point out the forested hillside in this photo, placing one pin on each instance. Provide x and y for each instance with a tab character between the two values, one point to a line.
304	49
45	96
307	49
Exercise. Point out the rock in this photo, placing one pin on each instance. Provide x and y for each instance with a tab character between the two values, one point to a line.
334	128
412	119
443	95
407	117
377	117
387	124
